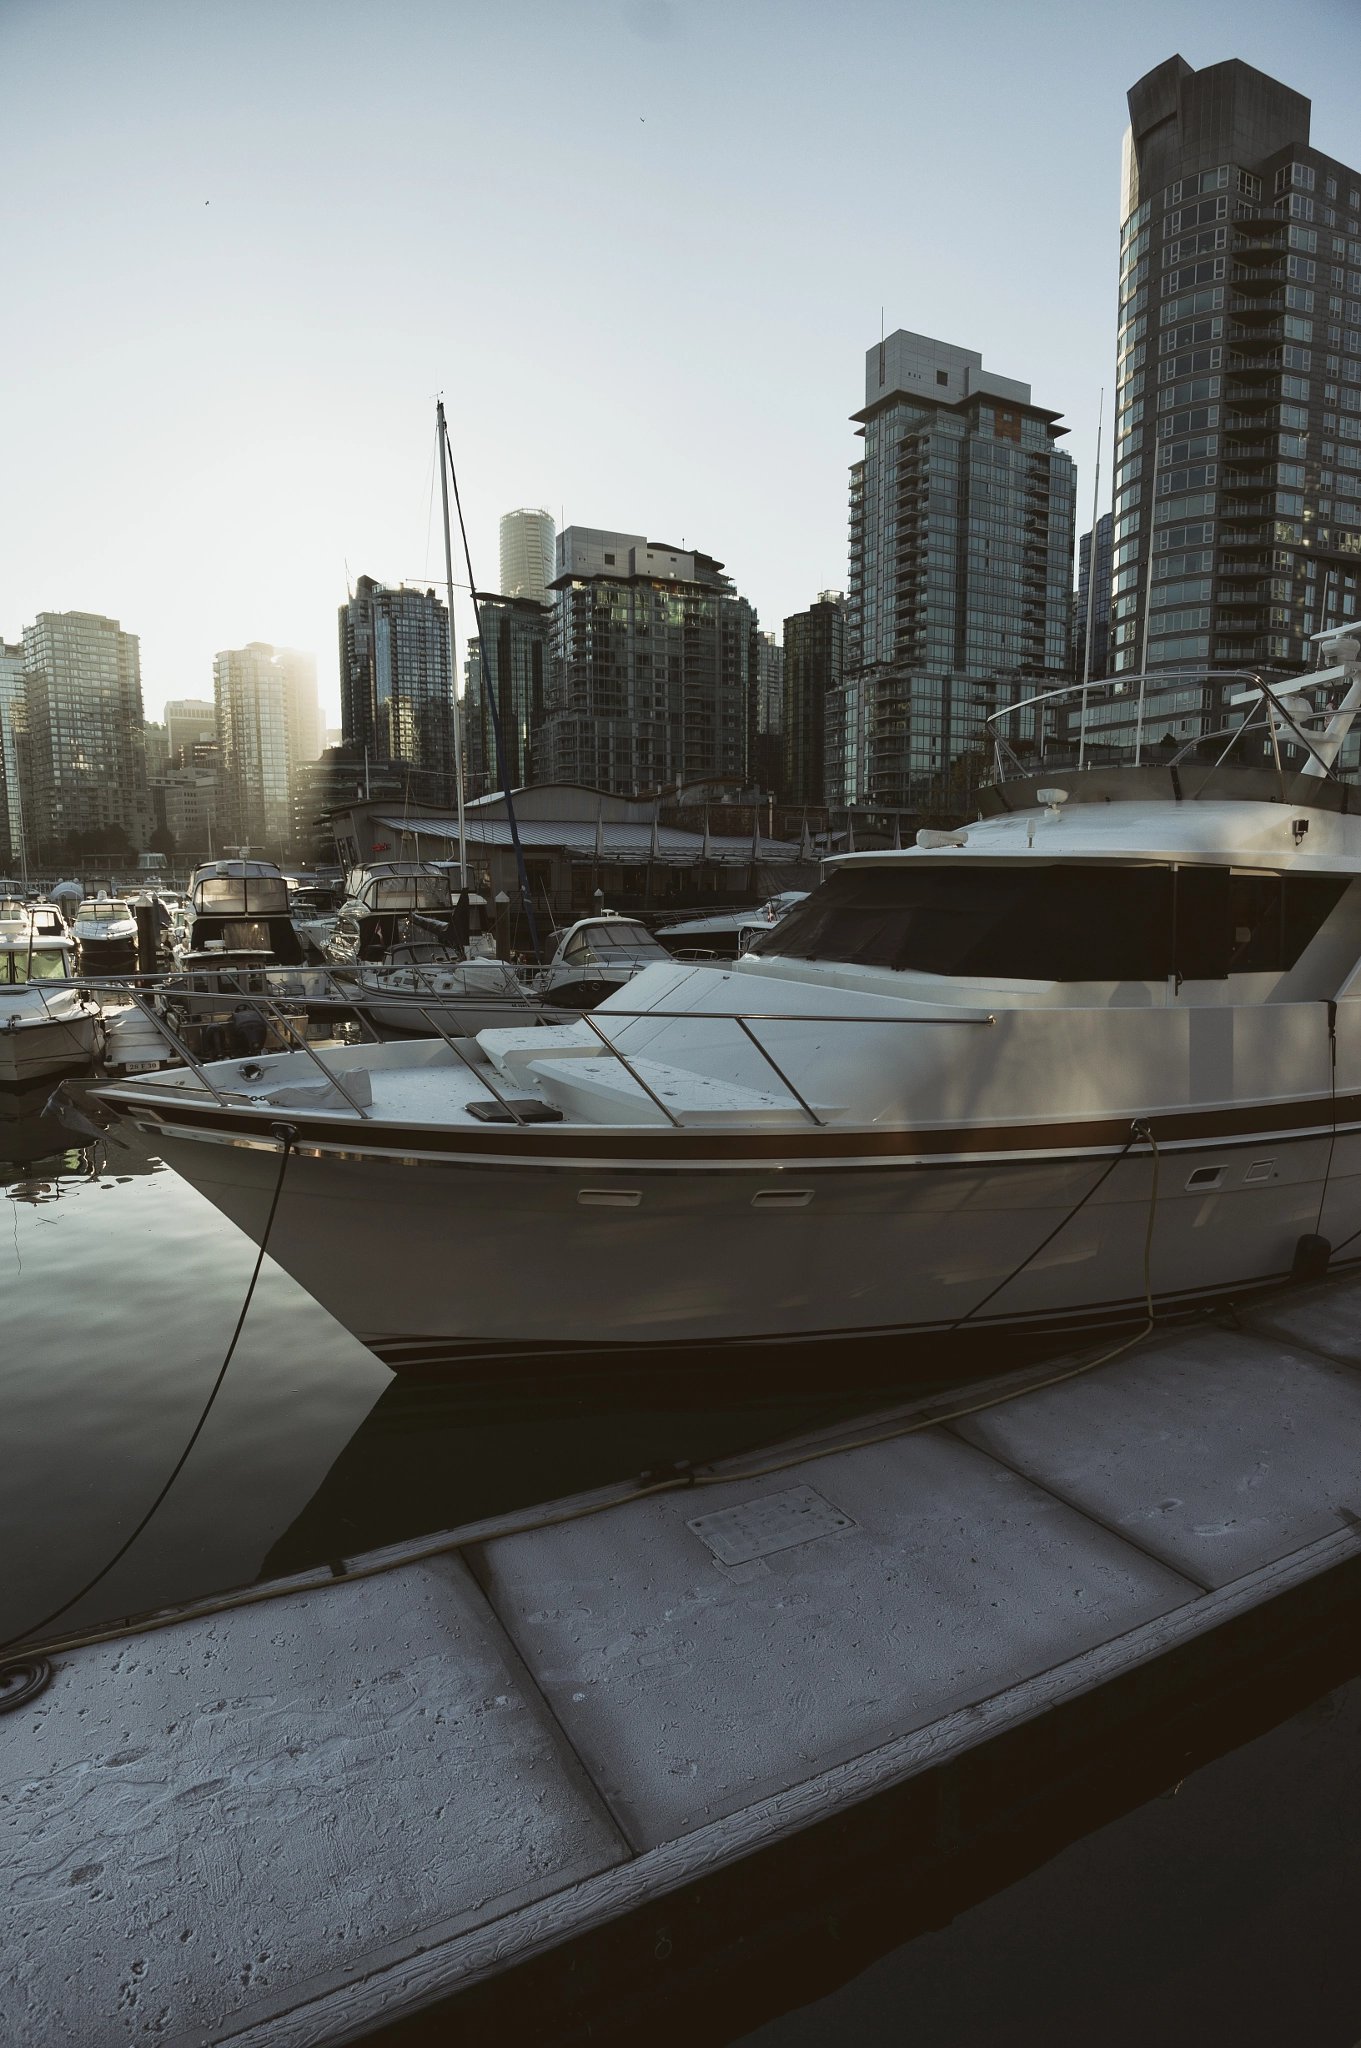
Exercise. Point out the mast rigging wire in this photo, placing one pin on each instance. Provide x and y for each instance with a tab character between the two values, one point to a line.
491	696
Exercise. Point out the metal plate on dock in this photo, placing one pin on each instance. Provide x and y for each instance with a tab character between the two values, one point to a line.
779	1521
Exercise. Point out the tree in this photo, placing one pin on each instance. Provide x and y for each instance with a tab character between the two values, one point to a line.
163	841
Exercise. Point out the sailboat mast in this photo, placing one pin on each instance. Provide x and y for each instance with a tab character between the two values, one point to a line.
440	433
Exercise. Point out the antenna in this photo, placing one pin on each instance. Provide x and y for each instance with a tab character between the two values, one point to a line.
1091	584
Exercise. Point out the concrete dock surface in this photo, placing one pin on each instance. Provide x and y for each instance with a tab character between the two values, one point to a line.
296	1821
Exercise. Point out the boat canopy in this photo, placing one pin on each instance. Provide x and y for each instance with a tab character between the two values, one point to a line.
401	885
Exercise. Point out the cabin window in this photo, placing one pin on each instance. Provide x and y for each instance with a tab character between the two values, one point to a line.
245	935
1063	922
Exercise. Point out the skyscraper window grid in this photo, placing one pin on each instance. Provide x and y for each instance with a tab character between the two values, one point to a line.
1237	516
960	575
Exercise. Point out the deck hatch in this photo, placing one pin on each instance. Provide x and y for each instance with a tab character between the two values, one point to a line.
778	1521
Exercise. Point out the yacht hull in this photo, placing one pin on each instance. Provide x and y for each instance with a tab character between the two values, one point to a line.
553	1244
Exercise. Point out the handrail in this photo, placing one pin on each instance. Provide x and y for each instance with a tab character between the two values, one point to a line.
181	1048
806	1107
1165	679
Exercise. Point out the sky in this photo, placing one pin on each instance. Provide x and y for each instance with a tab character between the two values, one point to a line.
641	247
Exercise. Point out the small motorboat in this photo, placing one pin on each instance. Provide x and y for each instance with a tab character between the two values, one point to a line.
596	957
46	1026
404	903
105	932
728	933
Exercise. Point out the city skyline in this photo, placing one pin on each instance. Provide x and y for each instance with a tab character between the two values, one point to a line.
311	451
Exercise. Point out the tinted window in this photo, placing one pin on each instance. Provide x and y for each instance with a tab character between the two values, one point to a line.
1060	923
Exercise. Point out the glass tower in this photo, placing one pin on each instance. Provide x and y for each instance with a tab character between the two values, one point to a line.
86	764
961	562
1101	606
396	705
517	635
255	770
1238	412
814	666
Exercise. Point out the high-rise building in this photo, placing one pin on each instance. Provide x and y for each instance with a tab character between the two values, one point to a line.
765	723
961	563
1094	666
190	724
254	797
1238	405
814	666
85	785
652	666
13	848
396	702
184	804
517	633
305	727
528	562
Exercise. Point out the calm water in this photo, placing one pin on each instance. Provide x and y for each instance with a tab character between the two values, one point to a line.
121	1287
1222	1914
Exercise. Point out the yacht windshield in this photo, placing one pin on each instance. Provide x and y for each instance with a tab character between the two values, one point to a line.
604	942
1065	922
44	963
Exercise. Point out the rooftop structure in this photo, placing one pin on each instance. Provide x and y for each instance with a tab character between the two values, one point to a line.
528	565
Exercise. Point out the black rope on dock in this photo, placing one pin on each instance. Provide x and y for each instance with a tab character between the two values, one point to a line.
287	1137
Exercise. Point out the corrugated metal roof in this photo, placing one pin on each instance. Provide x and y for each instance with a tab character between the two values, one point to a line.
577	836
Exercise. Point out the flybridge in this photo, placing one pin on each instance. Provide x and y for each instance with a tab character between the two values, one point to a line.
1295	726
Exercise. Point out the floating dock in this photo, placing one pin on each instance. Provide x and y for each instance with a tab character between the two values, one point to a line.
566	1765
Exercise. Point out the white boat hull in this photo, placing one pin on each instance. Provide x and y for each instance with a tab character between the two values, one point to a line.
427	1259
53	1045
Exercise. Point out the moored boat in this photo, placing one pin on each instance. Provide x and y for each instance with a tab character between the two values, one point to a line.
105	932
726	933
46	1026
596	957
927	1097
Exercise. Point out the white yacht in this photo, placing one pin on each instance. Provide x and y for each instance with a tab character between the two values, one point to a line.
105	932
240	919
46	1026
925	1098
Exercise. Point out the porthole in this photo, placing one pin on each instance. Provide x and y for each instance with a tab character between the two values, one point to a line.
782	1198
1205	1178
609	1198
